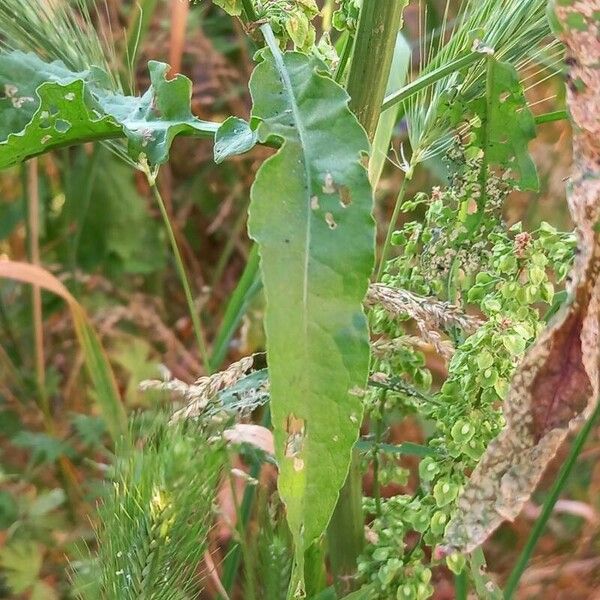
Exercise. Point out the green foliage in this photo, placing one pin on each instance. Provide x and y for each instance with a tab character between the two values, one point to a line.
513	30
311	216
46	106
508	275
504	103
155	516
118	233
289	19
346	16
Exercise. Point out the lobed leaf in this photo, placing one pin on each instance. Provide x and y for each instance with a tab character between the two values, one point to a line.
45	106
311	216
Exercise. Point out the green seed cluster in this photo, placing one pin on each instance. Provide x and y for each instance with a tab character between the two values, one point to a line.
471	258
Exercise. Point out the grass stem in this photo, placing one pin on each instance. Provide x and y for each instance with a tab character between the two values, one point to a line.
391	227
194	314
426	80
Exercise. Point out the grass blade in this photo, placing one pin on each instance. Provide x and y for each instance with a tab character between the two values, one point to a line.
96	362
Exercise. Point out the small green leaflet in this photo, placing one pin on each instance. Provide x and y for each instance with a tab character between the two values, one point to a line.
233	137
507	124
310	214
45	106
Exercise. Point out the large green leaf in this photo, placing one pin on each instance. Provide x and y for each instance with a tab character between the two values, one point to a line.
311	216
44	106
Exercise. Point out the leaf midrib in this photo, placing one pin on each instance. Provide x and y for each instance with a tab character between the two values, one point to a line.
282	70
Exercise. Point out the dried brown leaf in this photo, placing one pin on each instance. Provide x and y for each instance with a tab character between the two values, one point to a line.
556	387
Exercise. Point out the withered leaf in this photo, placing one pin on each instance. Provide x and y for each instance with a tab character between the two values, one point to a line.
556	387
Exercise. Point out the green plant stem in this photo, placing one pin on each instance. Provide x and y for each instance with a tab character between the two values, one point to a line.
138	27
391	227
379	423
372	56
426	80
549	503
230	244
345	534
378	27
91	170
241	521
232	560
483	171
194	316
557	115
327	15
461	586
248	286
344	58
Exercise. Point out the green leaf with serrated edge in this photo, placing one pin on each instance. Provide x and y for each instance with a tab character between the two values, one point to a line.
234	136
310	213
507	124
45	106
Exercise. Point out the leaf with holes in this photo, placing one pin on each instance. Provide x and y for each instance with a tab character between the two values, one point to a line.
45	106
311	216
507	124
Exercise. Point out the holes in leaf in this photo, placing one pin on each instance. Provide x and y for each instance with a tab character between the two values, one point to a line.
314	203
330	221
329	184
294	445
345	196
62	126
504	96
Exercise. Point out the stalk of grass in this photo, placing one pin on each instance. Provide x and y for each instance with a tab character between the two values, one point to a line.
551	117
549	503
392	226
378	27
137	29
65	468
247	555
187	290
33	223
461	586
374	46
428	79
231	563
247	287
